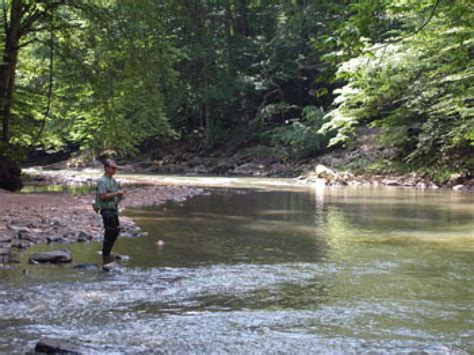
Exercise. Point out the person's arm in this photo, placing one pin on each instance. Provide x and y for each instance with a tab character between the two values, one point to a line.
107	196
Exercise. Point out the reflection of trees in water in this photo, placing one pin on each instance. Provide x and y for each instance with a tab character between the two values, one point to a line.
256	226
390	210
352	227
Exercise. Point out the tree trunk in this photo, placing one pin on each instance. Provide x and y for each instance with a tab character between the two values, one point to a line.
242	21
8	67
209	135
228	31
205	63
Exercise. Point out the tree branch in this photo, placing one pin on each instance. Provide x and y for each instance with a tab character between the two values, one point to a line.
36	15
433	11
50	86
59	28
5	20
414	33
27	43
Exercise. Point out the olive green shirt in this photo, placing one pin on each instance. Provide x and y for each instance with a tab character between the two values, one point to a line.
107	185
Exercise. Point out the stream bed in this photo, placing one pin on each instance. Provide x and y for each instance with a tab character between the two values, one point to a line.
263	271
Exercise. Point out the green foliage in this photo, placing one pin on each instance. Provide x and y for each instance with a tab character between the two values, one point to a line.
113	64
118	87
385	166
302	137
249	72
416	88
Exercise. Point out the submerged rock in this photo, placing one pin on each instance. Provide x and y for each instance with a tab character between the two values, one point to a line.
86	266
55	257
119	257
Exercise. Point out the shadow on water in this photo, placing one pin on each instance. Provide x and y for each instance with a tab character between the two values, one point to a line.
241	271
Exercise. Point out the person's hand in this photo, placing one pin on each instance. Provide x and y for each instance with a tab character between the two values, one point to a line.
119	193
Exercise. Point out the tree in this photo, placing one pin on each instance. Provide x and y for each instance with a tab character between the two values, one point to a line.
114	75
415	85
113	65
20	18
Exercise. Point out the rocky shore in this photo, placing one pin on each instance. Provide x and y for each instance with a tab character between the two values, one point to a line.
27	219
309	173
326	176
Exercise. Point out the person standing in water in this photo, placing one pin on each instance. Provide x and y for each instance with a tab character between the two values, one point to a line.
108	197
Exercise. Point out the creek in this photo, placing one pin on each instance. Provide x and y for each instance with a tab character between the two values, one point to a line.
292	270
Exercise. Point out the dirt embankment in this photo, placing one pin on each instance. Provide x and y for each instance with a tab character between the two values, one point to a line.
27	219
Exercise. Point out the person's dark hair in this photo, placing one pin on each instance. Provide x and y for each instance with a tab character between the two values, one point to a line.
108	162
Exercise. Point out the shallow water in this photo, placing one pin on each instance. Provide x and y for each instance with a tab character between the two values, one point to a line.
254	271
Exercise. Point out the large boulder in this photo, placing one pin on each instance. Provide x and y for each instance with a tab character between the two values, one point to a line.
222	167
55	257
9	175
455	180
323	172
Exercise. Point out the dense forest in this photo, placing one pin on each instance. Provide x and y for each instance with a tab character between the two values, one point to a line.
292	77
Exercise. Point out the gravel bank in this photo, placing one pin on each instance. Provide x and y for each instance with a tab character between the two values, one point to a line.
27	219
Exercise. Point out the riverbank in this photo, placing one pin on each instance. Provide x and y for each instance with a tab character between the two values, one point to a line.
32	218
313	174
365	162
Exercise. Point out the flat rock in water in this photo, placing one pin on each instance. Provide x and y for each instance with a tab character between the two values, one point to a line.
113	266
55	257
120	257
85	266
54	346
